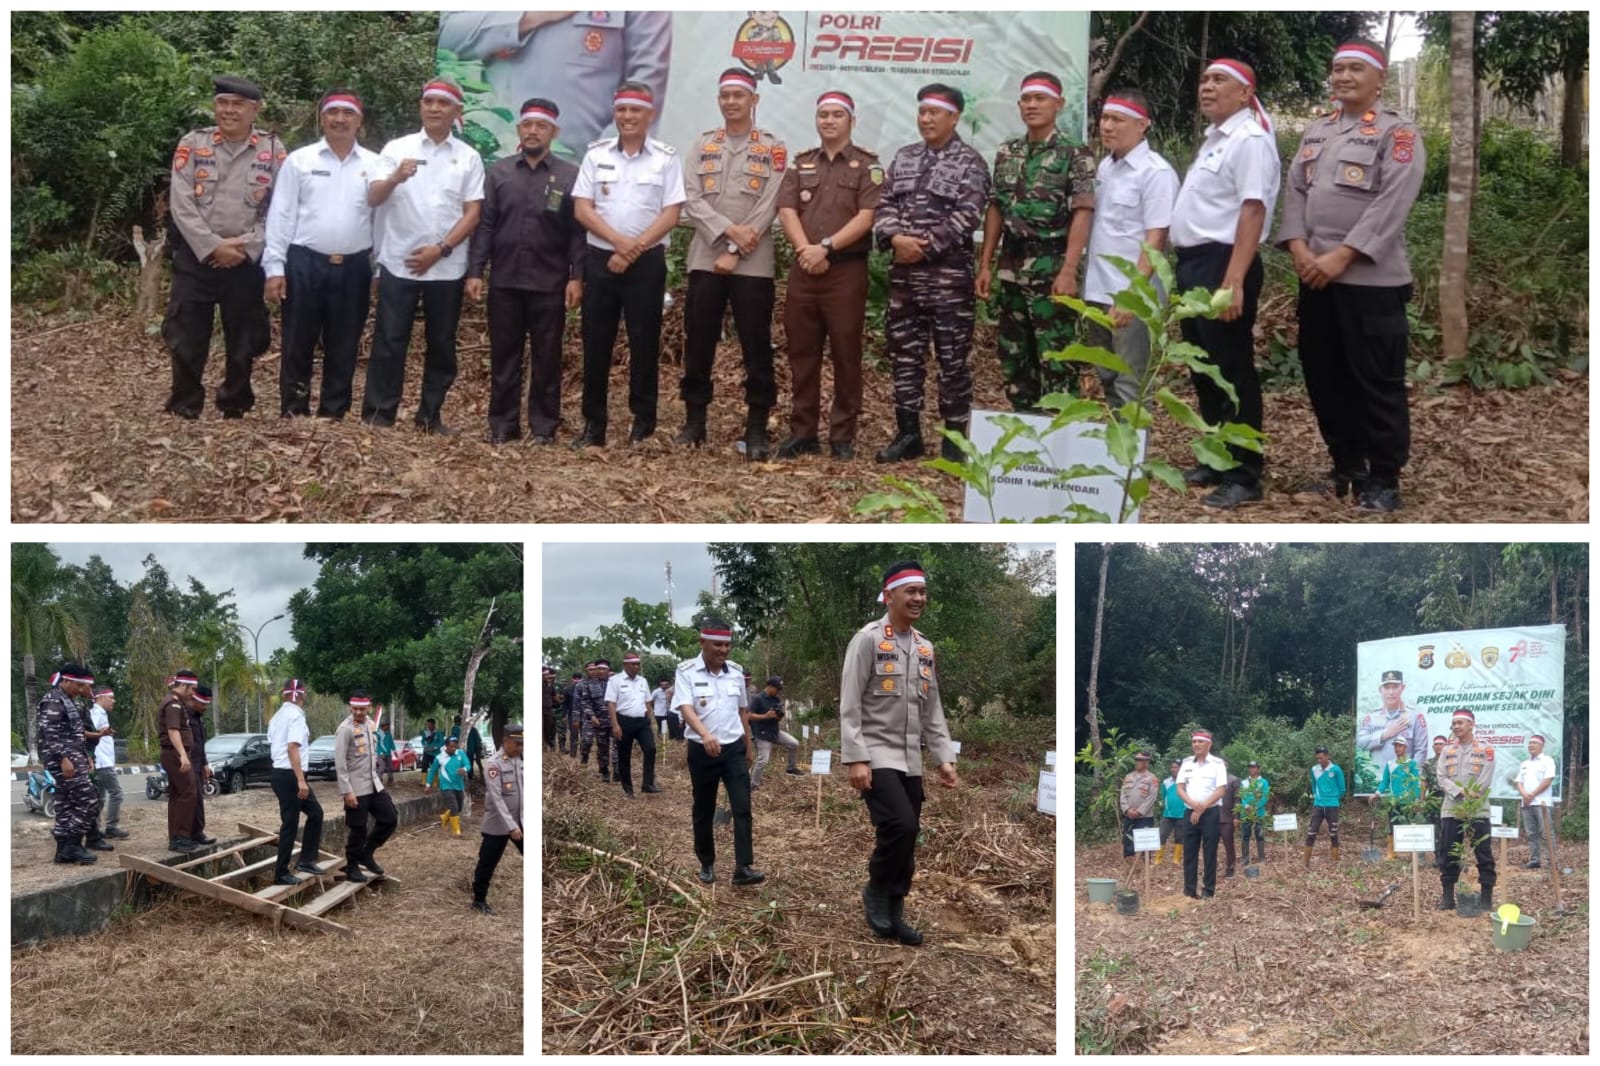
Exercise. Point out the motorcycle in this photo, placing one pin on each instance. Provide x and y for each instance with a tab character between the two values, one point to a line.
41	794
156	785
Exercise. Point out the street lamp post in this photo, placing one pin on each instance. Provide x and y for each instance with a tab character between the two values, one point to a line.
255	637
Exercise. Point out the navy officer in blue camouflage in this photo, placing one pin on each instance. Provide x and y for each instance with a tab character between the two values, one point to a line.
65	754
933	202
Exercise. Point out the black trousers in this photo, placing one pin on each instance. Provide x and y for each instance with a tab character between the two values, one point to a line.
534	321
1128	826
489	852
703	309
731	769
1206	834
1482	852
674	726
1353	350
199	829
398	298
197	291
636	731
894	803
633	296
290	808
358	842
326	302
1231	347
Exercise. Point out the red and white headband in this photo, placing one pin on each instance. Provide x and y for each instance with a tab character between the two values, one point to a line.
1123	106
294	688
541	113
443	90
341	100
1039	85
941	103
80	678
360	701
1537	736
629	659
634	98
904	577
1202	735
707	633
185	679
1363	52
736	80
1242	74
1464	713
837	100
204	701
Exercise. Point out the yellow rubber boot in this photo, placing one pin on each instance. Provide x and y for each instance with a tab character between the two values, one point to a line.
1389	854
455	825
1160	856
1177	854
444	819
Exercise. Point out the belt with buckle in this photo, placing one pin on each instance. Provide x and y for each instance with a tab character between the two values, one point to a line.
336	259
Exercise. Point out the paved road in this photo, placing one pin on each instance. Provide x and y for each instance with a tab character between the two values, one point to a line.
132	794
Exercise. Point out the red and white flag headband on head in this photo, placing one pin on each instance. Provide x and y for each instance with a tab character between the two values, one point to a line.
1464	713
1202	735
80	678
294	688
204	701
1124	106
940	102
1537	736
630	658
1364	52
536	112
904	577
443	90
1039	85
707	633
633	97
735	80
360	701
1241	74
342	100
836	100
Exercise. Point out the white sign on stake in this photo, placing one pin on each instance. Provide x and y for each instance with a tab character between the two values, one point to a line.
820	761
1047	792
1146	840
1026	493
1413	838
1287	823
1501	832
1497	815
1049	758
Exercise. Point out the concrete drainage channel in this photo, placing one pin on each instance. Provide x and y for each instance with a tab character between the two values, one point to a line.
87	906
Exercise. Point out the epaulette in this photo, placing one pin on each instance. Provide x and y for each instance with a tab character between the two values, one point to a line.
603	142
664	146
686	663
734	666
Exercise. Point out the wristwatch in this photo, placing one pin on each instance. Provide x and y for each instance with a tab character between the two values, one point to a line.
827	245
445	250
733	247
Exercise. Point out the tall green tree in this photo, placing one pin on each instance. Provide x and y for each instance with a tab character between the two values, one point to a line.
42	623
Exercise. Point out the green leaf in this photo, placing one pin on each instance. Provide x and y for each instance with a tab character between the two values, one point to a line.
1069	409
1135	414
1142	305
1239	435
1212	371
1163	268
1094	356
1122	441
1180	412
1138	489
1167	474
1092	313
1213	453
1221	300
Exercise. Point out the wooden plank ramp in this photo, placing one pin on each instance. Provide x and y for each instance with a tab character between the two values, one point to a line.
276	912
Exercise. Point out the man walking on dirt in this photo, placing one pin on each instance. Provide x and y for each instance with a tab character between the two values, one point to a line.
711	698
363	793
628	713
288	736
502	814
1140	790
1327	789
1202	785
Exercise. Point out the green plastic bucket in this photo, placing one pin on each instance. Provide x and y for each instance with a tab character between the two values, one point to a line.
1518	934
1101	889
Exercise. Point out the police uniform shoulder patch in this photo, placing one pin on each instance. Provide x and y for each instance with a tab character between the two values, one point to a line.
664	146
602	142
875	174
780	158
180	159
735	667
493	771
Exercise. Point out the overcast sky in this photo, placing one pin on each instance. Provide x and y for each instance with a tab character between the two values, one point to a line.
262	576
585	584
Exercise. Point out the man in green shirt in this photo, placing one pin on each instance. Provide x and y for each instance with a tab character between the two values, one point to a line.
1172	812
386	753
1253	794
1402	784
1327	789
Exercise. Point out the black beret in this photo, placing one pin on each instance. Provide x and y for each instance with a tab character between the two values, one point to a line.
514	730
235	86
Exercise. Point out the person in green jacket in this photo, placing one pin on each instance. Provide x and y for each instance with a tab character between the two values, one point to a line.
449	769
1253	796
1402	782
386	754
1327	789
1172	815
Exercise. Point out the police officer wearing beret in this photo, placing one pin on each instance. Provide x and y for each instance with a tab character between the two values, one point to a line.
732	201
502	814
222	182
1351	186
826	206
1466	772
65	755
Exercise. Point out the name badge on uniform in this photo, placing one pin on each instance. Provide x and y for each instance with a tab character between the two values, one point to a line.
508	787
553	199
322	173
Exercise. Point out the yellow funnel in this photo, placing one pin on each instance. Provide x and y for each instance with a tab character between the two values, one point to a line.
1508	912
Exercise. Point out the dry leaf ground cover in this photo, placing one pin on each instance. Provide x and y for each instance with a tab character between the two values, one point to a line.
1291	964
90	443
423	973
640	957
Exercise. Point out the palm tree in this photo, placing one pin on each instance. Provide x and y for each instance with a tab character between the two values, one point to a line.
40	622
1458	204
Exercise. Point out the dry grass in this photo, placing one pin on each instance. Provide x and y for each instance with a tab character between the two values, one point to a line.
640	958
424	973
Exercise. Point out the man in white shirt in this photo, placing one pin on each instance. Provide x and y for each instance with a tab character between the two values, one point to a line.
428	193
289	736
1137	188
318	258
105	761
1534	778
1220	220
628	195
1202	785
710	694
628	704
661	700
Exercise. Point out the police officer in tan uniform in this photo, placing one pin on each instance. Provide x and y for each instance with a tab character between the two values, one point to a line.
889	708
1137	801
1350	188
826	207
502	817
732	186
222	179
1465	763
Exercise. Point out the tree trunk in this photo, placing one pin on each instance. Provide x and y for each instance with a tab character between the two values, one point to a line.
1388	35
1572	108
1458	204
1244	659
1205	53
150	272
30	703
1101	78
1094	663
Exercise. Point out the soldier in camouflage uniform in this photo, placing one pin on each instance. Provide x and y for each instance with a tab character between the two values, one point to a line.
590	706
65	755
1039	216
932	203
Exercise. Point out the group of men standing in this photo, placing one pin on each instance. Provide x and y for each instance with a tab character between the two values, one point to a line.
305	227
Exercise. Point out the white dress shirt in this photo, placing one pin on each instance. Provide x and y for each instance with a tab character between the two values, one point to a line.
717	699
1237	162
1535	770
288	726
1201	780
320	202
661	697
1135	194
105	749
630	694
426	206
629	191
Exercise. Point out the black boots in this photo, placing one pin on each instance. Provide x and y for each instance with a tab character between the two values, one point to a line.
69	851
693	432
876	904
949	449
96	842
897	915
756	447
1447	901
1486	897
908	443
